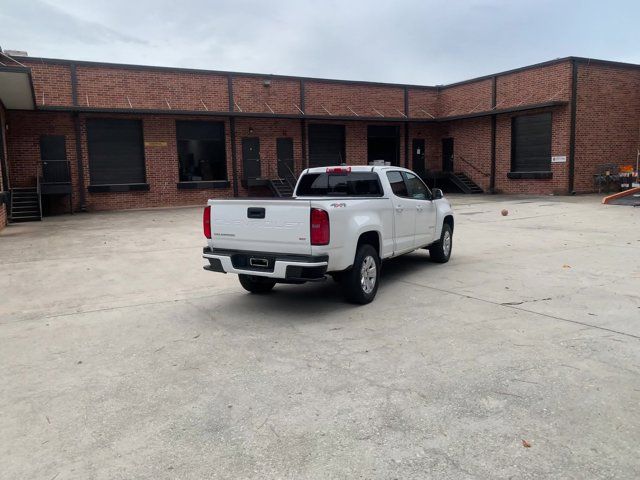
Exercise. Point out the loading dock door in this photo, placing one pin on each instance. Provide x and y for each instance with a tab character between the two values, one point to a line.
383	143
531	143
116	151
326	145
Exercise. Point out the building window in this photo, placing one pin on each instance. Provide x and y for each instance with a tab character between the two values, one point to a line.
326	145
531	143
201	151
116	151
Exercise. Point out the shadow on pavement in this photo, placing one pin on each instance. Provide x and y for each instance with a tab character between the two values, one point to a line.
315	299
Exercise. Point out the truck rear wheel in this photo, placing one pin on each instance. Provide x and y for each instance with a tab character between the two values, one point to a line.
255	284
441	250
362	280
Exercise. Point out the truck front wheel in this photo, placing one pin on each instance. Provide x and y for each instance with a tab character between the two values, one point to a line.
361	282
441	250
255	284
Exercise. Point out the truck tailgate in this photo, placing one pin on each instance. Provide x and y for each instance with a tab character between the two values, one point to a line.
278	226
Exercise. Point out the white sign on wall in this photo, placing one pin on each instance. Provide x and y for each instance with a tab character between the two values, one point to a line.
559	159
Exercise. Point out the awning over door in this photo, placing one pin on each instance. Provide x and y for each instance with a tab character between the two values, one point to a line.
16	89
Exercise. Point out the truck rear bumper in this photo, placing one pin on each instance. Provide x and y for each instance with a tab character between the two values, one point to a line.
279	266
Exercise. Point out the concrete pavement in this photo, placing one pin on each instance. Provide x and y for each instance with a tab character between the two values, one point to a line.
124	359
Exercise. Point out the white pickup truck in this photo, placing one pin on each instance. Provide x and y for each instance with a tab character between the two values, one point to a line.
342	221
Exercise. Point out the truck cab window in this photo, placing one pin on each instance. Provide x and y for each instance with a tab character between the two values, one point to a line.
417	189
398	185
354	184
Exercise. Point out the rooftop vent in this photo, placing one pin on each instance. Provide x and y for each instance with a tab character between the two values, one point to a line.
16	53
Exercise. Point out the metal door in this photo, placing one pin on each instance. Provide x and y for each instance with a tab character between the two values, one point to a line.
418	156
447	154
284	151
251	157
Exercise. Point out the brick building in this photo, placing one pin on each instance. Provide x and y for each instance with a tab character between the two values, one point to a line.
97	136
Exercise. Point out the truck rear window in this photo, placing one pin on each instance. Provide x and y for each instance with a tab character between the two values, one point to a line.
353	184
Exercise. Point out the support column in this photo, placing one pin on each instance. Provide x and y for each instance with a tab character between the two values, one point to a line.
78	134
572	128
232	134
494	95
406	129
304	161
80	161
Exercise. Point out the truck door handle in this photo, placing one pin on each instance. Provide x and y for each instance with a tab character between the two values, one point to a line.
419	208
399	208
255	212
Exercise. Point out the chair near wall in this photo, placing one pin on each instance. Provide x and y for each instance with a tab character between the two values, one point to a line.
606	175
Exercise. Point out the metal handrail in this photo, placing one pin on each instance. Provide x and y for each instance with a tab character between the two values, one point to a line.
291	173
471	165
39	196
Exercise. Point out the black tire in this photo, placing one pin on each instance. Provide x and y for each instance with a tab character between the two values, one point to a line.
440	251
338	277
358	289
255	284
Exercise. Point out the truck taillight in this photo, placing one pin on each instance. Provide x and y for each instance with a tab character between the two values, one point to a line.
206	221
319	227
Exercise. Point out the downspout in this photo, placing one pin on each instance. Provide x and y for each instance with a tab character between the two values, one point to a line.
78	133
572	127
406	128
232	127
303	128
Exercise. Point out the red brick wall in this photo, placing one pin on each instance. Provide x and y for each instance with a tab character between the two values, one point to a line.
607	119
51	83
363	99
423	102
465	98
534	85
251	95
151	89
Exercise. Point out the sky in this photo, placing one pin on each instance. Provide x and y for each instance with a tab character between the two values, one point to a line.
428	42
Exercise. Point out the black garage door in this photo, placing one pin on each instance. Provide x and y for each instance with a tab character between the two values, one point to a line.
383	143
326	145
531	143
116	151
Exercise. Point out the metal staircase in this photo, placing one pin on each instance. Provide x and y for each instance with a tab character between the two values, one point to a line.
25	205
464	183
281	187
284	185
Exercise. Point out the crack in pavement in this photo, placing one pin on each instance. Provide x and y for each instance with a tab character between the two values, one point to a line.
515	307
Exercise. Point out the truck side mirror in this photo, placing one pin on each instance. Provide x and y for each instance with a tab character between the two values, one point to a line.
437	194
